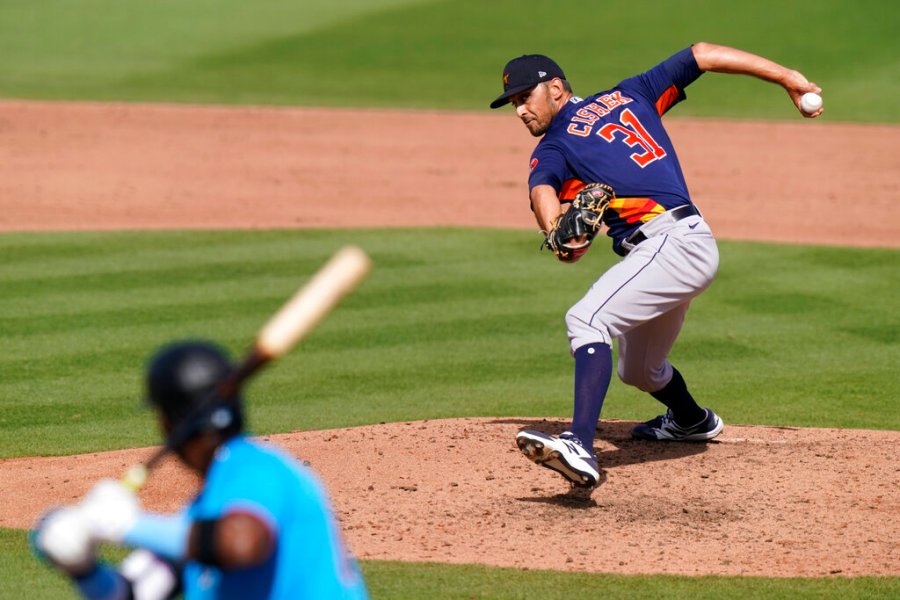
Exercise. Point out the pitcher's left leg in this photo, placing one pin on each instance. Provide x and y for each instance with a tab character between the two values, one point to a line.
643	363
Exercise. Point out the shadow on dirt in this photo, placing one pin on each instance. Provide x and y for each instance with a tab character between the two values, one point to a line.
579	498
626	451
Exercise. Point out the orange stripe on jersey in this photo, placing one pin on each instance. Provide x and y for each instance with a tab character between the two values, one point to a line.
636	210
666	100
570	189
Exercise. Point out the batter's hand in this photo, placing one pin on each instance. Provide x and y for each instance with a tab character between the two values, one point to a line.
63	538
111	510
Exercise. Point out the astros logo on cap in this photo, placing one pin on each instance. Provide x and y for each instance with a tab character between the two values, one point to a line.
506	79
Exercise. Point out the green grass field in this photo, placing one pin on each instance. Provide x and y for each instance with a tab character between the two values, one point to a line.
449	54
447	333
788	335
776	340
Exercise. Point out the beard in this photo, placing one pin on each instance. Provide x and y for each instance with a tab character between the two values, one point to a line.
539	131
543	116
536	128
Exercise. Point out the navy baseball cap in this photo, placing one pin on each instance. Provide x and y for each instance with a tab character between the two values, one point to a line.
524	73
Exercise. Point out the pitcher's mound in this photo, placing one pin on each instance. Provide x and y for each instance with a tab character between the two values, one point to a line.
755	501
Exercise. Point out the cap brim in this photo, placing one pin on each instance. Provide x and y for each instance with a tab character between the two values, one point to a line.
504	99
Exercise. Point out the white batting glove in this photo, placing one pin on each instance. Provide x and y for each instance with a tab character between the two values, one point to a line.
64	537
111	510
151	577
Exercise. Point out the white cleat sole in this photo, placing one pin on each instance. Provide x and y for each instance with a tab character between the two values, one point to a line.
536	451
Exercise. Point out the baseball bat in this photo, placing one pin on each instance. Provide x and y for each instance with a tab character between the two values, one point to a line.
294	320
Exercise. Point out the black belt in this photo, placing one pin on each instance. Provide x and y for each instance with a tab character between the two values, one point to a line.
676	214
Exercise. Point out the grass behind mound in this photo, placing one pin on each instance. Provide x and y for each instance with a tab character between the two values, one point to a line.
436	54
787	335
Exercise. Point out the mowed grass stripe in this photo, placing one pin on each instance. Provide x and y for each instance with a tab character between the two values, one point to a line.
78	341
63	352
365	53
440	328
412	581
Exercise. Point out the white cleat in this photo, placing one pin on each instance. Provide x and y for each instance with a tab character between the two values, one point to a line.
563	454
665	428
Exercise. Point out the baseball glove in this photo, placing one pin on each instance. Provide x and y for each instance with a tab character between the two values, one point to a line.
573	231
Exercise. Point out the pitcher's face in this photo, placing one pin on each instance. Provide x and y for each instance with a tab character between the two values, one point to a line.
536	108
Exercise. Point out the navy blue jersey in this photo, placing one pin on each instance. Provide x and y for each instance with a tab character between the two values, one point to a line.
617	137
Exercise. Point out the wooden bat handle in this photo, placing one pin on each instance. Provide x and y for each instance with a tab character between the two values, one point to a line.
293	321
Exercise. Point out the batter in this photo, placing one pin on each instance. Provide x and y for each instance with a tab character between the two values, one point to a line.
616	137
261	526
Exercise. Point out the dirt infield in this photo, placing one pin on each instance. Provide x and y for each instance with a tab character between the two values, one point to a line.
757	501
100	166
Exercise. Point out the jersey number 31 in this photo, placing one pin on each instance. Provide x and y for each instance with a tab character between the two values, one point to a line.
633	134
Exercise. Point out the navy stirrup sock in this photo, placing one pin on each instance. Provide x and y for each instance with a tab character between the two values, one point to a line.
679	400
593	370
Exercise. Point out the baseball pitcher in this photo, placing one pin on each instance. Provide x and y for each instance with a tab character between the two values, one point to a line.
606	159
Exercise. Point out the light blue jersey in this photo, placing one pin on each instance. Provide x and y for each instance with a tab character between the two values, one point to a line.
309	561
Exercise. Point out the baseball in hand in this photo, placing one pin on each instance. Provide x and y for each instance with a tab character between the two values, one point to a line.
810	102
